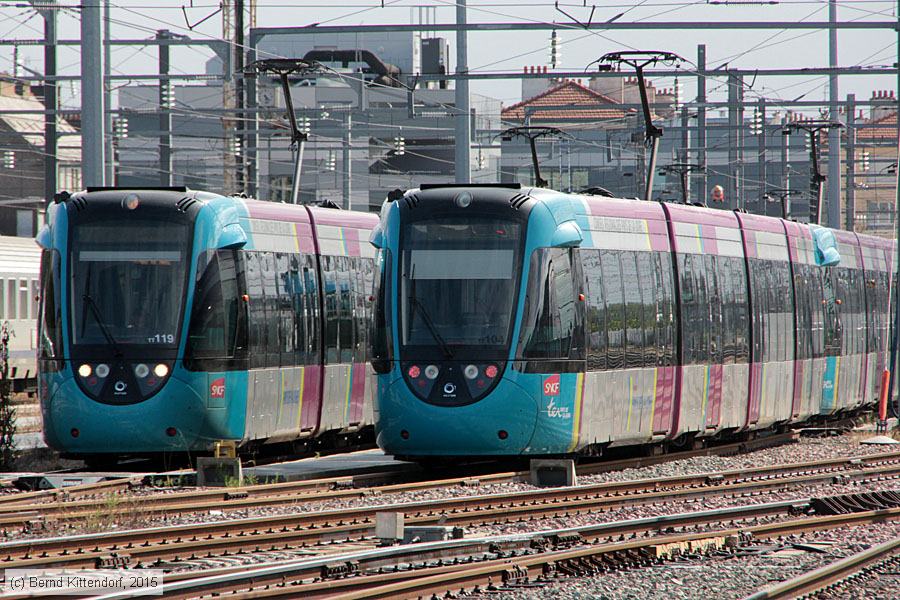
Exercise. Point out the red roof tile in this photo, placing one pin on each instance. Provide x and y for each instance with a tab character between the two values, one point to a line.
585	103
885	129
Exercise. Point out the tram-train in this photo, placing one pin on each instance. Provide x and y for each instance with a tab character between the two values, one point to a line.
19	263
518	321
172	319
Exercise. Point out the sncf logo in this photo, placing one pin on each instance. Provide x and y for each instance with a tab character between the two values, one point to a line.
217	388
551	386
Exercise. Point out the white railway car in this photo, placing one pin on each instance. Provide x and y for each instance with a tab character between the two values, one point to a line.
20	260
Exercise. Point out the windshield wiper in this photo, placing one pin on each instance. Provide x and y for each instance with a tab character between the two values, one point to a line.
89	301
434	332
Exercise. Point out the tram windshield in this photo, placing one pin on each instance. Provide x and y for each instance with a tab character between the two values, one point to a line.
128	281
458	284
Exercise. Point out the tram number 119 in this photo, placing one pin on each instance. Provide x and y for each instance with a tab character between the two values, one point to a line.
161	338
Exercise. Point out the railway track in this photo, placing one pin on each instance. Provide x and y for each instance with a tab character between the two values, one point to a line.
498	564
52	506
320	530
857	565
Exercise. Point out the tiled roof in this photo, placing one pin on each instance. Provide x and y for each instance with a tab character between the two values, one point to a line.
585	103
884	128
30	126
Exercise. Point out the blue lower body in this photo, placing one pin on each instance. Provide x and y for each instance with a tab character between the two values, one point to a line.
182	407
510	421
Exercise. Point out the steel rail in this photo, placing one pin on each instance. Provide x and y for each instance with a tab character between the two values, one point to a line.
301	579
822	577
240	498
299	530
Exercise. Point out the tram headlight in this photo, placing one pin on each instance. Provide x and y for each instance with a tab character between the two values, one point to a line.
141	370
471	371
102	370
431	371
463	199
131	202
85	370
160	370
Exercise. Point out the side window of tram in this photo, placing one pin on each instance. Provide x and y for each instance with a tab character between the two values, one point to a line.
332	315
552	308
50	314
258	334
215	333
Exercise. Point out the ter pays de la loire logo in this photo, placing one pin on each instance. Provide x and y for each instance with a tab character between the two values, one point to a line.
217	388
551	386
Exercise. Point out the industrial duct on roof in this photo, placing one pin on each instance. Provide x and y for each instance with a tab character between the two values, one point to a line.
388	74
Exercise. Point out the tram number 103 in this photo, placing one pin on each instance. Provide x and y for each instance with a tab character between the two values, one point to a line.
161	338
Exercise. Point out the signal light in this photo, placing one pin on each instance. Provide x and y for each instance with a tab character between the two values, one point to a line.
171	431
502	434
414	372
404	434
491	371
74	432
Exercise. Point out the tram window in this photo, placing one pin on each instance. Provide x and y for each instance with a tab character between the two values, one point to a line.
311	287
380	335
362	268
50	315
646	279
634	331
615	308
714	296
667	293
345	307
215	332
553	326
694	310
272	322
596	310
284	310
332	316
258	336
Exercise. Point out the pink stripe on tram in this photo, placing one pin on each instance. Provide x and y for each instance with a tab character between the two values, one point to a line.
312	382
358	392
351	241
710	242
305	238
